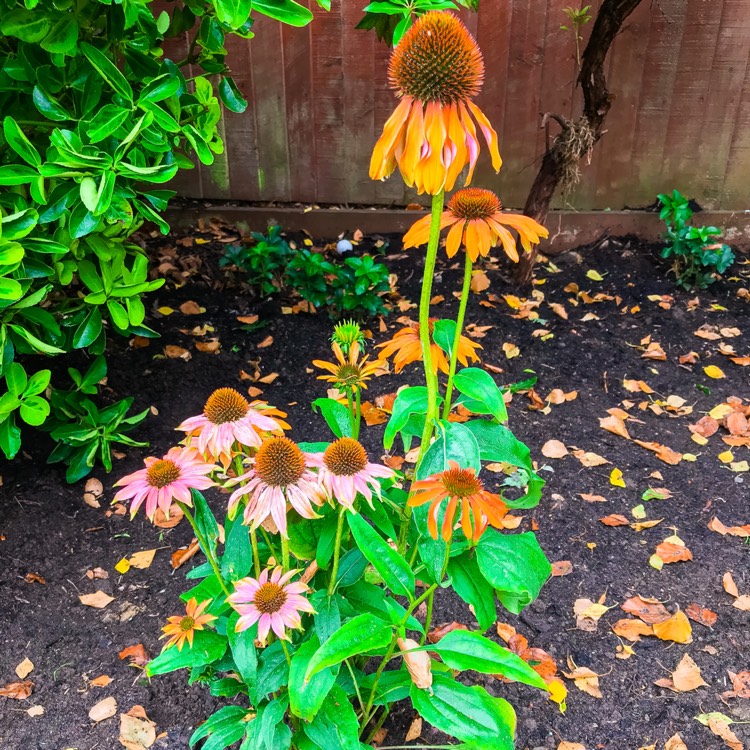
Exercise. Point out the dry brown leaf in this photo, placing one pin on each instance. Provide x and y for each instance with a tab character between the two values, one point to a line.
101	681
742	603
211	346
505	631
565	745
104	709
589	460
554	449
190	308
649	610
721	729
615	519
372	414
701	615
32	577
561	568
729	585
740	685
662	452
98	600
418	664
438	632
637	386
19	691
671	552
677	628
585	680
180	556
415	730
559	309
705	426
479	281
632	629
716	525
655	352
171	351
99	573
687	676
267	341
175	516
25	668
142	559
137	731
268	379
589	498
675	743
614	425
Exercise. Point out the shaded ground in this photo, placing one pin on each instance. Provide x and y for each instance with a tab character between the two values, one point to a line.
46	528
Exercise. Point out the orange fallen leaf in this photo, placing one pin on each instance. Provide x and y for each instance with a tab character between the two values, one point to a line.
655	352
137	654
211	346
190	308
372	414
615	519
632	629
565	745
180	556
34	578
672	552
172	351
441	630
675	743
592	498
662	452
479	281
701	615
101	681
554	449
175	516
729	585
649	610
19	691
614	425
721	729
686	677
716	525
98	600
677	628
561	568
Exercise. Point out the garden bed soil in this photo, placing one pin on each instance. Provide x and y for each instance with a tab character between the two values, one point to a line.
46	529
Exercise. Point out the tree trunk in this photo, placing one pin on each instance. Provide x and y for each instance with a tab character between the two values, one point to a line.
577	138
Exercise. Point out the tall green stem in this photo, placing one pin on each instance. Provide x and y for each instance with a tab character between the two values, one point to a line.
285	553
357	412
431	596
256	553
424	322
457	336
337	551
203	542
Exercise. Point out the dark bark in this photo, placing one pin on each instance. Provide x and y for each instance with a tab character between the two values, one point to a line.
577	137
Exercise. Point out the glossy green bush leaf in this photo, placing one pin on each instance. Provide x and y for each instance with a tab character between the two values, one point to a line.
515	565
108	70
363	634
395	571
286	11
18	141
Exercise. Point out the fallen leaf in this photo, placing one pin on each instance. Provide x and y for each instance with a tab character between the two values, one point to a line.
701	615
616	479
740	685
677	628
614	425
729	585
594	275
19	691
171	351
511	350
742	603
35	711
137	654
101	681
137	731
372	414
564	745
686	677
191	308
437	633
98	600
716	525
615	519
714	372
650	611
25	668
589	460
211	346
721	729
655	352
267	341
479	281
585	680
672	551
632	629
168	522
589	498
559	309
31	577
554	449
142	559
561	568
180	556
104	709
418	664
675	743
415	730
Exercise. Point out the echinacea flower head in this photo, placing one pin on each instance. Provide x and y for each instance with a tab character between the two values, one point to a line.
407	346
346	333
344	471
182	628
279	475
458	486
272	602
436	71
349	372
477	222
165	480
229	418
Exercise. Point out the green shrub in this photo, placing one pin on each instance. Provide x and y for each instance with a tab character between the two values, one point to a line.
96	120
698	255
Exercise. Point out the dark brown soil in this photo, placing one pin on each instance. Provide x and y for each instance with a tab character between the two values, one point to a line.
46	528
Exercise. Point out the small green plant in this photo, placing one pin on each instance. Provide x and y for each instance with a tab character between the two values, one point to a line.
309	273
23	399
579	17
357	287
81	429
698	255
263	261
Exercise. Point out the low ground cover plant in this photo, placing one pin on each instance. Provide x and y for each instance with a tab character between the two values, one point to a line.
95	120
698	255
351	287
306	611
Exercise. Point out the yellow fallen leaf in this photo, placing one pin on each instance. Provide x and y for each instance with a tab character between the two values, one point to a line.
123	566
511	350
726	457
616	479
98	600
26	667
165	310
714	372
739	466
142	559
656	562
594	275
677	628
687	676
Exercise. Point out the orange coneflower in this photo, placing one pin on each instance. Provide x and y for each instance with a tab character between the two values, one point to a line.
476	220
456	485
407	347
348	372
181	629
436	70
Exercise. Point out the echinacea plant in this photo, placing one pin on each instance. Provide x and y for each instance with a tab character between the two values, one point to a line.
308	612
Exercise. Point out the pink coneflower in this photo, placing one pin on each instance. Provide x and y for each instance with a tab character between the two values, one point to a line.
344	471
229	418
182	628
164	480
274	604
279	475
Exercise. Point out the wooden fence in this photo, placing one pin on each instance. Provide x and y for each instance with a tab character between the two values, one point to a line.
318	98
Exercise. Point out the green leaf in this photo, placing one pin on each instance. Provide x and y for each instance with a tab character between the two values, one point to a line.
10	437
336	415
49	106
409	401
515	565
471	586
467	713
482	394
237	560
465	650
244	654
18	141
335	725
394	570
286	11
306	697
351	568
34	410
327	615
26	25
105	122
89	329
18	225
363	634
455	442
223	728
10	289
107	70
63	36
231	96
208	647
205	520
233	13
16	379
160	88
17	174
88	192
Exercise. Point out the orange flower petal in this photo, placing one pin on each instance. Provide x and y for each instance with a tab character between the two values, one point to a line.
431	172
509	244
489	135
383	161
456	156
453	240
408	157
